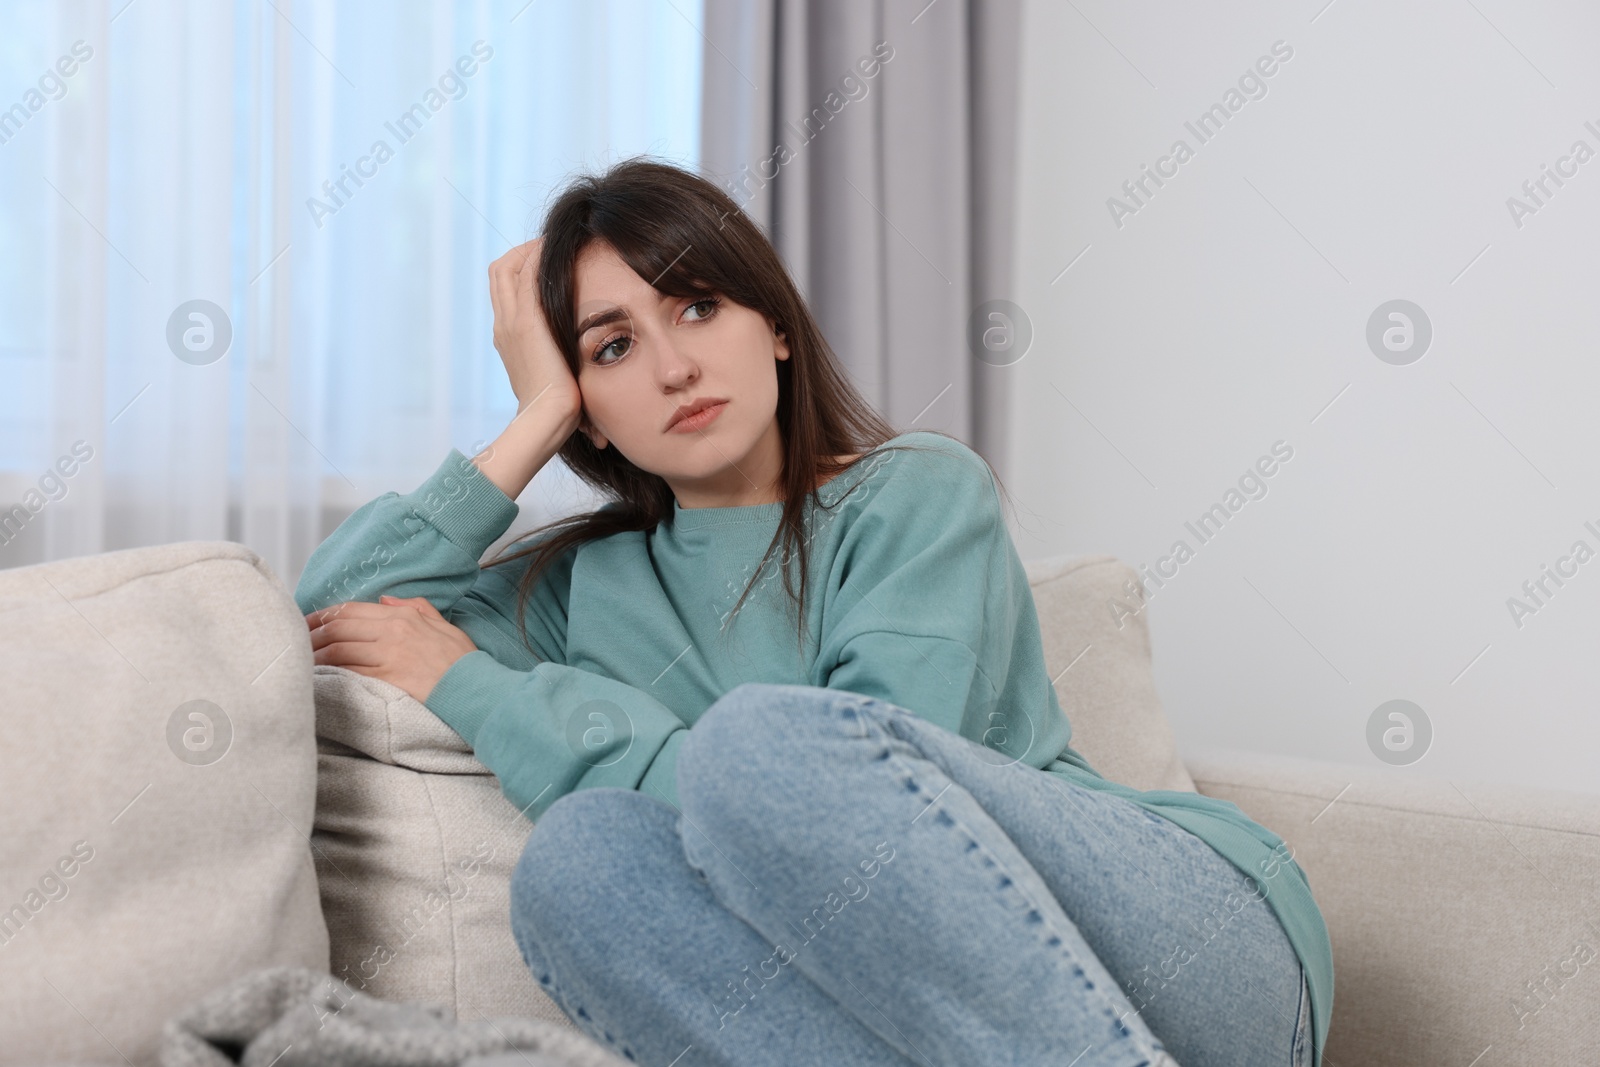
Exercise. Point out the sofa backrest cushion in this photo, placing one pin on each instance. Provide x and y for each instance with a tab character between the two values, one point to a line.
157	786
415	846
1092	616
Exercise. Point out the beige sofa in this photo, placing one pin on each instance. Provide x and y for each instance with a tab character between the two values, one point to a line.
186	798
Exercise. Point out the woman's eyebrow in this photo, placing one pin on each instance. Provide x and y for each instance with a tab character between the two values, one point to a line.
602	318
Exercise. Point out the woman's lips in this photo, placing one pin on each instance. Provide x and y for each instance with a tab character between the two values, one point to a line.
699	420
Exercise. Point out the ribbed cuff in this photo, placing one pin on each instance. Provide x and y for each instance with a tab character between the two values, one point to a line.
463	504
661	780
470	690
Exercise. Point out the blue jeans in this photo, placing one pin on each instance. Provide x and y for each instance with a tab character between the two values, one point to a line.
847	883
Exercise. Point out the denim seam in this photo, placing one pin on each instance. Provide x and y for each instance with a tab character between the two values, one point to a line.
1045	924
1302	1032
557	992
577	1014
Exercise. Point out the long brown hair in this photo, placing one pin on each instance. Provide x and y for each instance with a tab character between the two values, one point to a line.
681	230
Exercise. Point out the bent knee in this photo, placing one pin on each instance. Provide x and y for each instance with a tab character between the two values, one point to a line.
580	842
761	751
754	726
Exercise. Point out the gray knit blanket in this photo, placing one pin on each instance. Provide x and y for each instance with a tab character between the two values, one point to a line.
294	1017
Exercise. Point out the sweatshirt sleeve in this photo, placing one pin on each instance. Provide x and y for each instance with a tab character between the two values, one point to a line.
933	611
543	728
428	543
554	729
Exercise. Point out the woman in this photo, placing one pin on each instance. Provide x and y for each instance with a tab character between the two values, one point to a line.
832	818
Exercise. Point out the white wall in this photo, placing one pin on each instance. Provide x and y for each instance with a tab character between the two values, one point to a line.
1231	309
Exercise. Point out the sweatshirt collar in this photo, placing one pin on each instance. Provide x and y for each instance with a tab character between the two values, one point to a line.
699	518
764	514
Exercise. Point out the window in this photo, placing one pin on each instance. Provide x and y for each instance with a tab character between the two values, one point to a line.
335	179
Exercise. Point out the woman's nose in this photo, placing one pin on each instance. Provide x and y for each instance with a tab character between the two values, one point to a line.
675	368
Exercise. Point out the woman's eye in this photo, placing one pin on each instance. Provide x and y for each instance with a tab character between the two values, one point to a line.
702	309
619	346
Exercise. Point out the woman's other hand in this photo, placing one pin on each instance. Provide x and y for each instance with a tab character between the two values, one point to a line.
405	642
533	361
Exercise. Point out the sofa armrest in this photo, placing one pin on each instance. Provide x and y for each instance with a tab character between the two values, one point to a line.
1464	916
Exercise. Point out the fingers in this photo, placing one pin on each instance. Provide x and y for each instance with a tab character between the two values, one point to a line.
350	630
511	280
361	609
421	603
353	655
350	609
503	287
529	272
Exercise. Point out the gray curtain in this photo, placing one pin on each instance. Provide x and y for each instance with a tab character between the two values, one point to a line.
874	143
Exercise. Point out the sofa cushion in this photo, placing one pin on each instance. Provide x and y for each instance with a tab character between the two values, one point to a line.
415	848
157	786
1091	614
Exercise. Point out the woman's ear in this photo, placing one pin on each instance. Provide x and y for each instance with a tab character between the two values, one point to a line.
587	428
780	343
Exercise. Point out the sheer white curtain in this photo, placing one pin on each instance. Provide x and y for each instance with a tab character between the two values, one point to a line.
334	178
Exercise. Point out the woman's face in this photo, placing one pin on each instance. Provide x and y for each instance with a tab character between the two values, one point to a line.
642	354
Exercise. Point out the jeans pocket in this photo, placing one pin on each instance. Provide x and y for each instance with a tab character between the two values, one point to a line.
1302	1030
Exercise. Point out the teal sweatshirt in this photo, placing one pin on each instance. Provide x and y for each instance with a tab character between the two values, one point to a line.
915	596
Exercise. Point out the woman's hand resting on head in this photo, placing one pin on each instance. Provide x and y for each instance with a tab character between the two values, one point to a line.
549	403
533	361
405	642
